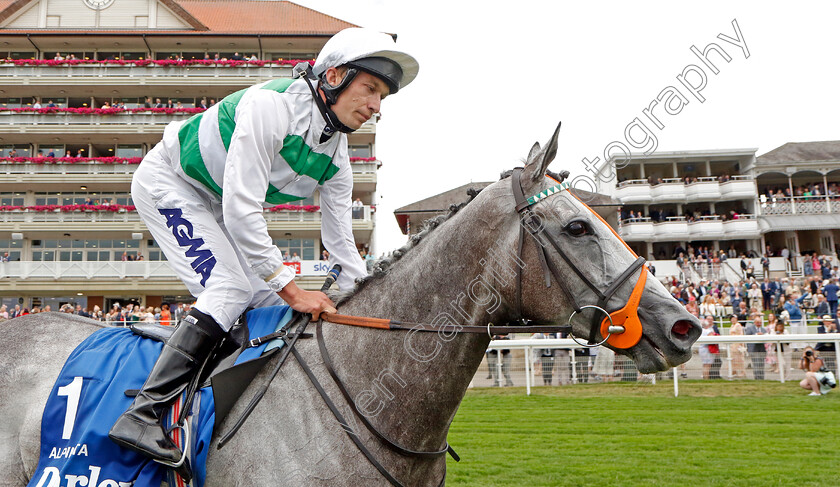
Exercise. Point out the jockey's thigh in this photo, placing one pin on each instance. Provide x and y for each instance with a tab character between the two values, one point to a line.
262	294
185	224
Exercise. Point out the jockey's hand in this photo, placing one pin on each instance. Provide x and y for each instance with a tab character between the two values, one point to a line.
312	302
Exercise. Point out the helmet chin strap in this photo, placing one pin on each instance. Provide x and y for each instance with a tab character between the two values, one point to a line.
333	124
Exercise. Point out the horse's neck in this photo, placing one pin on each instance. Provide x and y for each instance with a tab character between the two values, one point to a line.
418	379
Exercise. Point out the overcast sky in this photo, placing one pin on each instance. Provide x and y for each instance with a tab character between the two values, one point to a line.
497	76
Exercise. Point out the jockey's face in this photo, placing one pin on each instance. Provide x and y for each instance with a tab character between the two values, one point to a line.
359	101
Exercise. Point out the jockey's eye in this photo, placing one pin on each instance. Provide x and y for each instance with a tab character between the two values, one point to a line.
577	228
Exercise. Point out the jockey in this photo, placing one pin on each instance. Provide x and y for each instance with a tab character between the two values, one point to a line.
202	190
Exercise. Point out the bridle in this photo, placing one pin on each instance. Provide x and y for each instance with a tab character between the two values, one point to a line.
621	328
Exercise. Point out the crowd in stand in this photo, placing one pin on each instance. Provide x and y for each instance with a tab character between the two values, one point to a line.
656	215
117	316
807	190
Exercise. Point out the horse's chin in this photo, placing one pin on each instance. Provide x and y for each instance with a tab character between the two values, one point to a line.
650	358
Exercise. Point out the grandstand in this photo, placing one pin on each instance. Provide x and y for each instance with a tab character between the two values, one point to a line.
86	90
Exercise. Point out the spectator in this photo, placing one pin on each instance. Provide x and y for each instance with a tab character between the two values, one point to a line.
148	103
358	209
756	350
830	290
755	297
776	350
743	313
822	307
295	257
158	103
828	325
165	315
811	363
737	350
503	358
546	359
793	309
708	350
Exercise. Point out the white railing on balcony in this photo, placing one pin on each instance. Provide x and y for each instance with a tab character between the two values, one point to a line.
87	270
364	167
360	214
671	189
738	187
65	118
119	168
631	182
804	205
77	168
18	216
111	71
702	189
146	269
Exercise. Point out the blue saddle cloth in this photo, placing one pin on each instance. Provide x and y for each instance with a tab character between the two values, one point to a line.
89	395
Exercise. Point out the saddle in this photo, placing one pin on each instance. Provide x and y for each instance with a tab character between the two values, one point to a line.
227	378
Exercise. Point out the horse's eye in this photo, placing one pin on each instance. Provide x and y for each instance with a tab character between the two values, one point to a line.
577	228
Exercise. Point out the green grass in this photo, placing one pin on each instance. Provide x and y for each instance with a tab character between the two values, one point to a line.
715	434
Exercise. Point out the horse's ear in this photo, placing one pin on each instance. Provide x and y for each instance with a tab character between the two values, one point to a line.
534	151
538	160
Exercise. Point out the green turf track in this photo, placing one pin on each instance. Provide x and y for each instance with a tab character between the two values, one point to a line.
716	433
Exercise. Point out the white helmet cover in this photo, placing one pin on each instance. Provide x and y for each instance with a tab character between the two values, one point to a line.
357	43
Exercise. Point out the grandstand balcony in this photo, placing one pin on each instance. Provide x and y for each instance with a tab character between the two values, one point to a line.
803	205
116	276
633	191
670	190
637	229
704	189
678	228
116	221
706	227
745	226
674	190
151	75
673	228
62	175
738	187
144	122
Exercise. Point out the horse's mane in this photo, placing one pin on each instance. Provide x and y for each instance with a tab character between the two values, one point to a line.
381	267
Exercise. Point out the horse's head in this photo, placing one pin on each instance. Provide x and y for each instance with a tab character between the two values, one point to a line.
573	265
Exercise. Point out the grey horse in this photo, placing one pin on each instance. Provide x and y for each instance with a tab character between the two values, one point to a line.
408	384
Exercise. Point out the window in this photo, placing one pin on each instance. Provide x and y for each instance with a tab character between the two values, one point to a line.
13	248
304	248
154	251
126	150
19	55
11	199
360	151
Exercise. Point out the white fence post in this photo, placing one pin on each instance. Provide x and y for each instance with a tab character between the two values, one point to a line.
676	372
780	363
528	371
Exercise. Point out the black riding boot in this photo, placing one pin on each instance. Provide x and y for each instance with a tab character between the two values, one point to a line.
139	428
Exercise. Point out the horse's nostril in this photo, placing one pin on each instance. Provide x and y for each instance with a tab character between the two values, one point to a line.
681	329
